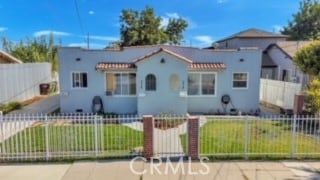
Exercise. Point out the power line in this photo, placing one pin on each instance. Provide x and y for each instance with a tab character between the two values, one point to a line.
79	18
78	15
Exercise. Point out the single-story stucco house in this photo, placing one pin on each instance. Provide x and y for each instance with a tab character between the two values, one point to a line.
160	79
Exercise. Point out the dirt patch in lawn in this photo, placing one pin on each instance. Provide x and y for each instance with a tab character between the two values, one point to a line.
165	124
32	100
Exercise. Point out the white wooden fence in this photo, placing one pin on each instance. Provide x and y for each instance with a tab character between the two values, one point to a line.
20	82
278	93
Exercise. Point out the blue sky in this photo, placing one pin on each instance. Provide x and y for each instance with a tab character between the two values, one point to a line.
209	20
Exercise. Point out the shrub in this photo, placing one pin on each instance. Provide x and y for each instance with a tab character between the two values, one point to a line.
313	96
5	108
14	106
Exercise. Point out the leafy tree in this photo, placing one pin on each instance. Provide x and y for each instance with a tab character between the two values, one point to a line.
313	96
175	29
306	22
308	59
41	49
144	28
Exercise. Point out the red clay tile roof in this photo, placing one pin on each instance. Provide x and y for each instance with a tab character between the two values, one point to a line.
110	66
207	66
164	50
193	66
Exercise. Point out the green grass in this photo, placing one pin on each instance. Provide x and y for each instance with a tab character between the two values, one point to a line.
269	138
112	139
11	106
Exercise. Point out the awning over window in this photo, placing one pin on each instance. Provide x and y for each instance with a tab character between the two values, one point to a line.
207	66
192	66
111	66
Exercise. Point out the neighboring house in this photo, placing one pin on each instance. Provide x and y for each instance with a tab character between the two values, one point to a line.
282	53
159	79
6	58
281	79
253	38
250	38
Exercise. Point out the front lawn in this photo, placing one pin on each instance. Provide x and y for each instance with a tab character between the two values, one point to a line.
265	137
111	139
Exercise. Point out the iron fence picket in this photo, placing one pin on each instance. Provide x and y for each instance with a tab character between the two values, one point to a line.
65	136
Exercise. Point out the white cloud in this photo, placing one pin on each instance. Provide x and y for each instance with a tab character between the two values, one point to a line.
172	15
165	20
48	32
91	12
277	28
102	38
204	40
3	29
85	45
221	1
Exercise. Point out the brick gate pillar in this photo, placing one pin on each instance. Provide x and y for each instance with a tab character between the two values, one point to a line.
193	138
148	136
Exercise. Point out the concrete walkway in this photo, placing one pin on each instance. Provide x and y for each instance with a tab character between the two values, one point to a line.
120	170
167	143
46	105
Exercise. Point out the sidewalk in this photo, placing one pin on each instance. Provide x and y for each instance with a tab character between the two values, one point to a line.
120	170
46	105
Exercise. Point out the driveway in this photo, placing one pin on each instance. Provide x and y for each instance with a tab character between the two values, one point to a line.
18	120
46	105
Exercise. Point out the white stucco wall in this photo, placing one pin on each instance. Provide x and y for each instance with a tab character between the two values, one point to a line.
164	99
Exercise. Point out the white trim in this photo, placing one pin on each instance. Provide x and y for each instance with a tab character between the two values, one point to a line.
119	72
200	84
79	88
239	88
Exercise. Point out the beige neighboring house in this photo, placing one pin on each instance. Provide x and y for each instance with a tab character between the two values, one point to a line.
281	54
6	58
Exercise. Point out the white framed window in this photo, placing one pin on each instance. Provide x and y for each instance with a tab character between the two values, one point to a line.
122	84
79	80
151	82
240	80
202	84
